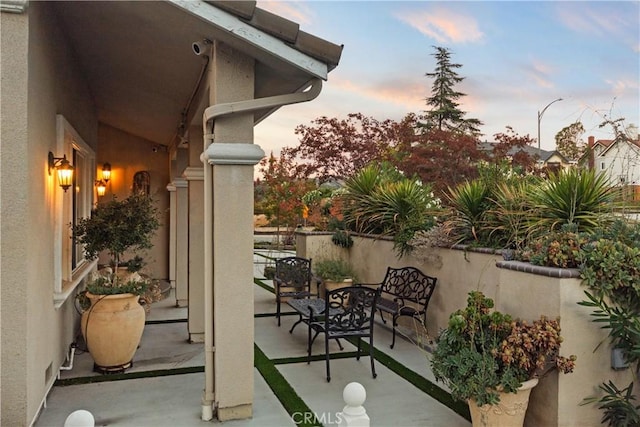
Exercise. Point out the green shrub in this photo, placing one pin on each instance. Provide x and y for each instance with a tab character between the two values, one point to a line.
557	249
335	270
342	238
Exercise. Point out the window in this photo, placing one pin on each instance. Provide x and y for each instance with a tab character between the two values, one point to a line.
70	265
602	166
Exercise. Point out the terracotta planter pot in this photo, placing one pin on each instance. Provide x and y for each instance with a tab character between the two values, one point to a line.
112	328
330	285
510	412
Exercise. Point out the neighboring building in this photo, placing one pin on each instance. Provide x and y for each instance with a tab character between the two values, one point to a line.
138	85
619	159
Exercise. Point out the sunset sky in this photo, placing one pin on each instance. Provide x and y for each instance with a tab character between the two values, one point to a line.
516	57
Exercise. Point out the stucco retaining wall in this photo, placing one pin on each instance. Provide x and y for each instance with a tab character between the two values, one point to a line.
520	289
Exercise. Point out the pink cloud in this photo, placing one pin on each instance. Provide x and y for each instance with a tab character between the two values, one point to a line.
292	10
443	25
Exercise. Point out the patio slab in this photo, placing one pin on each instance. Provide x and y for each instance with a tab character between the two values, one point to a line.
174	401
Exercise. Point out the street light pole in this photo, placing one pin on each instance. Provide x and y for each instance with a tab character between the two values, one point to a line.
540	113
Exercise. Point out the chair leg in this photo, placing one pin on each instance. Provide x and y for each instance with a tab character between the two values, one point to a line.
294	325
395	323
278	309
373	368
359	345
327	356
382	317
309	345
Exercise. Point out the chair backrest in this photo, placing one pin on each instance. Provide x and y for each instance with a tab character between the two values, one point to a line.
351	309
410	284
294	271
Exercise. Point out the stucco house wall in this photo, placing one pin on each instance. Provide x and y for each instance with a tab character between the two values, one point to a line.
141	155
620	161
516	288
44	82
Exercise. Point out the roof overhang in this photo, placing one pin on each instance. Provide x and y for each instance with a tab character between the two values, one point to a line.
138	62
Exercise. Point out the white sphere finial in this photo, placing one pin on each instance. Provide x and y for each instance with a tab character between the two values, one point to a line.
80	418
354	394
354	414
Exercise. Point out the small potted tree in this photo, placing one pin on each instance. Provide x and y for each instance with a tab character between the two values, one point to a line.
488	358
112	324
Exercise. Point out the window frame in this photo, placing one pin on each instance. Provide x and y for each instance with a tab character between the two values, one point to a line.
67	276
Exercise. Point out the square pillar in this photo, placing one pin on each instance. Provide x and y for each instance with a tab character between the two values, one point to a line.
194	175
231	158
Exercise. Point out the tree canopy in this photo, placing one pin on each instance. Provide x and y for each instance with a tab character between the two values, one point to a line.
333	148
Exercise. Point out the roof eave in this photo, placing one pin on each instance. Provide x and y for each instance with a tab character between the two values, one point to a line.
253	37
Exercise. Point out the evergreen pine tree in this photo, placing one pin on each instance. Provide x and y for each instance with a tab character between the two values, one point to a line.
445	114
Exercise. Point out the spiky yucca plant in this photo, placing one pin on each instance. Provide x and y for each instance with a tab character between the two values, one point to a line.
575	196
469	202
381	201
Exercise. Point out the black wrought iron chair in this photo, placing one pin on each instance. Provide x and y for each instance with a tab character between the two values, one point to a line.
348	314
292	279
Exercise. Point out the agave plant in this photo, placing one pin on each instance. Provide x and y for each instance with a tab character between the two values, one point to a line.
576	196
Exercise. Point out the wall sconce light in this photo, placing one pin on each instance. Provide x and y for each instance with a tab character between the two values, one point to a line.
64	169
101	187
106	172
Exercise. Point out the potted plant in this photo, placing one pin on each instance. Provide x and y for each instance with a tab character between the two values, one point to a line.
112	324
334	273
486	357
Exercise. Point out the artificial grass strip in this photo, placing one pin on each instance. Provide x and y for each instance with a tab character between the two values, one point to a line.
290	400
461	408
129	376
423	384
260	254
317	357
263	285
164	322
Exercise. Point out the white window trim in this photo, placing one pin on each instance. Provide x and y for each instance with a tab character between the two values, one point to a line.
67	280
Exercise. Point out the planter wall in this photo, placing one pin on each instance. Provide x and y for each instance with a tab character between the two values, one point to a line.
521	289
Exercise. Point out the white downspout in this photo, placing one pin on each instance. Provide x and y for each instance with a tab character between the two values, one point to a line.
210	114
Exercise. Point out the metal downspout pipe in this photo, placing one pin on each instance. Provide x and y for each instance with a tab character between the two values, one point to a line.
209	115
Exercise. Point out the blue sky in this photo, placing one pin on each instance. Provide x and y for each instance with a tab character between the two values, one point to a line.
516	57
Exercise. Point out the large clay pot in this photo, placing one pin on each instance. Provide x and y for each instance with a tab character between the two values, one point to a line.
509	412
112	328
330	285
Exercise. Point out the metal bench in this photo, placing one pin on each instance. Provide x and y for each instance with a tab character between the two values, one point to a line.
405	291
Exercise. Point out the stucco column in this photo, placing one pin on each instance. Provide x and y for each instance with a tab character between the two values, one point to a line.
194	175
231	157
179	240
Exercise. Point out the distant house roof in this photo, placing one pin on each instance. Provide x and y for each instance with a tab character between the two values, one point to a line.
543	155
608	143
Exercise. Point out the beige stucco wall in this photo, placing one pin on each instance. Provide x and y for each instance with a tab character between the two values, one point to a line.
556	400
127	155
44	81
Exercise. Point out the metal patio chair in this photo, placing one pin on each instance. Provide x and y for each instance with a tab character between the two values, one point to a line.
292	279
348	314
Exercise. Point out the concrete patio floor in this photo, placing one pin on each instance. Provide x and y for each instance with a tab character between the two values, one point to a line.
172	396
